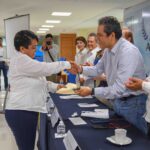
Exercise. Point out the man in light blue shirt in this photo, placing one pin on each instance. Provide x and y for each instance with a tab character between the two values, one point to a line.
120	61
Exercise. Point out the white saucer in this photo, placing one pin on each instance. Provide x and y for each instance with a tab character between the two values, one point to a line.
125	142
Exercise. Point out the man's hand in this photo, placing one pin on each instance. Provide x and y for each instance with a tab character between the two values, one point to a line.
84	91
134	84
75	68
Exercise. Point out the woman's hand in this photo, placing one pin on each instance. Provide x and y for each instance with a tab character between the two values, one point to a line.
60	86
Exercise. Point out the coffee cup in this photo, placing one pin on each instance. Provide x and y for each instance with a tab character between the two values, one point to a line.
120	135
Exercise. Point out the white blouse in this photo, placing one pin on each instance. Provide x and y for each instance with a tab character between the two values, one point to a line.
28	86
80	57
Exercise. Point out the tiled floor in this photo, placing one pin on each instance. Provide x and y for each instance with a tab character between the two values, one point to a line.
7	141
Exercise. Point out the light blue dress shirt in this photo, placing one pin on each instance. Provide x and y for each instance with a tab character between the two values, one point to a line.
124	60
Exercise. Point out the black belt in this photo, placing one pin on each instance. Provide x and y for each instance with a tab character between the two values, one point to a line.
128	97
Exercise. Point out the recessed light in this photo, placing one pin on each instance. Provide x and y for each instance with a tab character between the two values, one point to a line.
61	13
41	31
47	26
53	21
44	29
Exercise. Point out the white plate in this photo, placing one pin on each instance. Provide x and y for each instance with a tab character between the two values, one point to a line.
125	142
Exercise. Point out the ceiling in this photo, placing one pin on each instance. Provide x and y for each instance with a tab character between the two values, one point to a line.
85	13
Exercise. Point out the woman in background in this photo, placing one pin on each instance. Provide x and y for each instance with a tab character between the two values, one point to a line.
28	89
128	35
81	51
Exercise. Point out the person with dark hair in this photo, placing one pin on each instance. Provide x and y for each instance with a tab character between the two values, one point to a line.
51	53
120	61
81	44
136	84
28	89
81	51
3	64
50	49
128	35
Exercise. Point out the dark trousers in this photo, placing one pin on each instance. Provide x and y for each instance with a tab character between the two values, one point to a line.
43	133
23	125
4	68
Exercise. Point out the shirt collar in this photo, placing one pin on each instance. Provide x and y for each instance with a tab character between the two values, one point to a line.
82	52
116	46
94	50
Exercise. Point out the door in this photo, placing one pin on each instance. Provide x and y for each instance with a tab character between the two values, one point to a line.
67	46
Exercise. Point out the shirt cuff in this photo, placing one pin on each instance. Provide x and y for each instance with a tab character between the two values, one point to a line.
146	86
52	87
67	64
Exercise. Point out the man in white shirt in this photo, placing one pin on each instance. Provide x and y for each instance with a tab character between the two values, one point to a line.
93	48
139	84
3	65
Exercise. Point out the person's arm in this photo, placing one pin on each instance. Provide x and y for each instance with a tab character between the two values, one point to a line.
146	86
43	45
29	67
129	60
53	87
93	71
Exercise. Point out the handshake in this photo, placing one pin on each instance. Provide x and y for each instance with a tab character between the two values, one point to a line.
75	69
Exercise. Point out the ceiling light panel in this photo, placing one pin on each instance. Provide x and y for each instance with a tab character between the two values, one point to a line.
47	26
41	31
61	13
44	29
53	21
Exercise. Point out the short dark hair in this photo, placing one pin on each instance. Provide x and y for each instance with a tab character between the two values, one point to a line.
1	38
81	38
24	38
111	24
49	35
